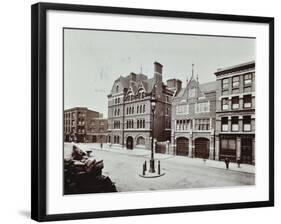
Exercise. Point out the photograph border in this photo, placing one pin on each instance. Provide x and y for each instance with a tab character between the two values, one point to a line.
39	110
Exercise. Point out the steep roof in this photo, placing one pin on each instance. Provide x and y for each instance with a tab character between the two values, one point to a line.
204	88
208	86
133	81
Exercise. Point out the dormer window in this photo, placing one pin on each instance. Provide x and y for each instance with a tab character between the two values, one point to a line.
130	96
117	89
141	93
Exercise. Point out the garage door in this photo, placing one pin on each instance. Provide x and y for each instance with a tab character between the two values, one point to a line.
202	146
182	146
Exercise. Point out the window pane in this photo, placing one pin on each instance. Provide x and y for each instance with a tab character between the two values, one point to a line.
224	143
224	120
232	144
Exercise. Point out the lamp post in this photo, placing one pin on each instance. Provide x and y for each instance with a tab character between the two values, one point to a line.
151	162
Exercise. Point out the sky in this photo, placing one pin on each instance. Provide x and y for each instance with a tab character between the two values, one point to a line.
93	59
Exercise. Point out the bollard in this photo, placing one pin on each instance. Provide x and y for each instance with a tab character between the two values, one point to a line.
143	168
238	163
226	163
159	167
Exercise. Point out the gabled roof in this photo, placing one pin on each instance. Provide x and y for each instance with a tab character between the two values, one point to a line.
203	88
134	81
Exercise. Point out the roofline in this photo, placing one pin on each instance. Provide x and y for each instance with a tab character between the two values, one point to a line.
80	108
222	70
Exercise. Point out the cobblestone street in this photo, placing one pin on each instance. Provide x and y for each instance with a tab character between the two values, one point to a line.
124	166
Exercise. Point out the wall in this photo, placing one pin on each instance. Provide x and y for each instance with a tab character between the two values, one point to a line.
15	95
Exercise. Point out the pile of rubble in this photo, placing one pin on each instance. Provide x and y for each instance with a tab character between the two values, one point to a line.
83	174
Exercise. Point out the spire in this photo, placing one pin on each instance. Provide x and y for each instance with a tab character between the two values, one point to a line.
197	86
192	74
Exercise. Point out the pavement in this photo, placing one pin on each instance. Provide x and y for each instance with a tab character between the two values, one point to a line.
125	166
147	153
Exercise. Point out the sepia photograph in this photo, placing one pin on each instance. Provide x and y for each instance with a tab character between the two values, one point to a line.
147	111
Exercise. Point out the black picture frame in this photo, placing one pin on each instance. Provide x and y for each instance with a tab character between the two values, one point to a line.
39	108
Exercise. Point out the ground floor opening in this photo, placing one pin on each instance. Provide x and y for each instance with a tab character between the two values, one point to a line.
237	148
130	142
202	147
182	145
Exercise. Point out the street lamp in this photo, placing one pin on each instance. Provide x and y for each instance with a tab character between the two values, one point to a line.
151	162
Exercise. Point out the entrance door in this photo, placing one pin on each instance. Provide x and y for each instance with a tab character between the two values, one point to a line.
202	146
182	146
129	143
246	150
94	138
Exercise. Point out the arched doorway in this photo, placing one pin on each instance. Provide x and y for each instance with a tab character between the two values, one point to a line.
140	140
130	142
202	146
182	146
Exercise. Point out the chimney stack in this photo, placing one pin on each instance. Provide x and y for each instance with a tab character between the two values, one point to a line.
157	68
174	84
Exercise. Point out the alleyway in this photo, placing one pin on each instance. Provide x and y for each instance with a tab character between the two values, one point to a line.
124	166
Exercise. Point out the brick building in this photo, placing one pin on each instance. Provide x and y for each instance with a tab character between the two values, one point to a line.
235	113
129	109
193	119
75	123
97	130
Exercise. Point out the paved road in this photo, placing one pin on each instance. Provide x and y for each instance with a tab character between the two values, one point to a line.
124	170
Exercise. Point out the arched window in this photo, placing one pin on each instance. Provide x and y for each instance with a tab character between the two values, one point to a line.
137	109
127	110
140	140
140	108
143	123
130	110
118	111
142	95
114	112
143	108
138	123
132	124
